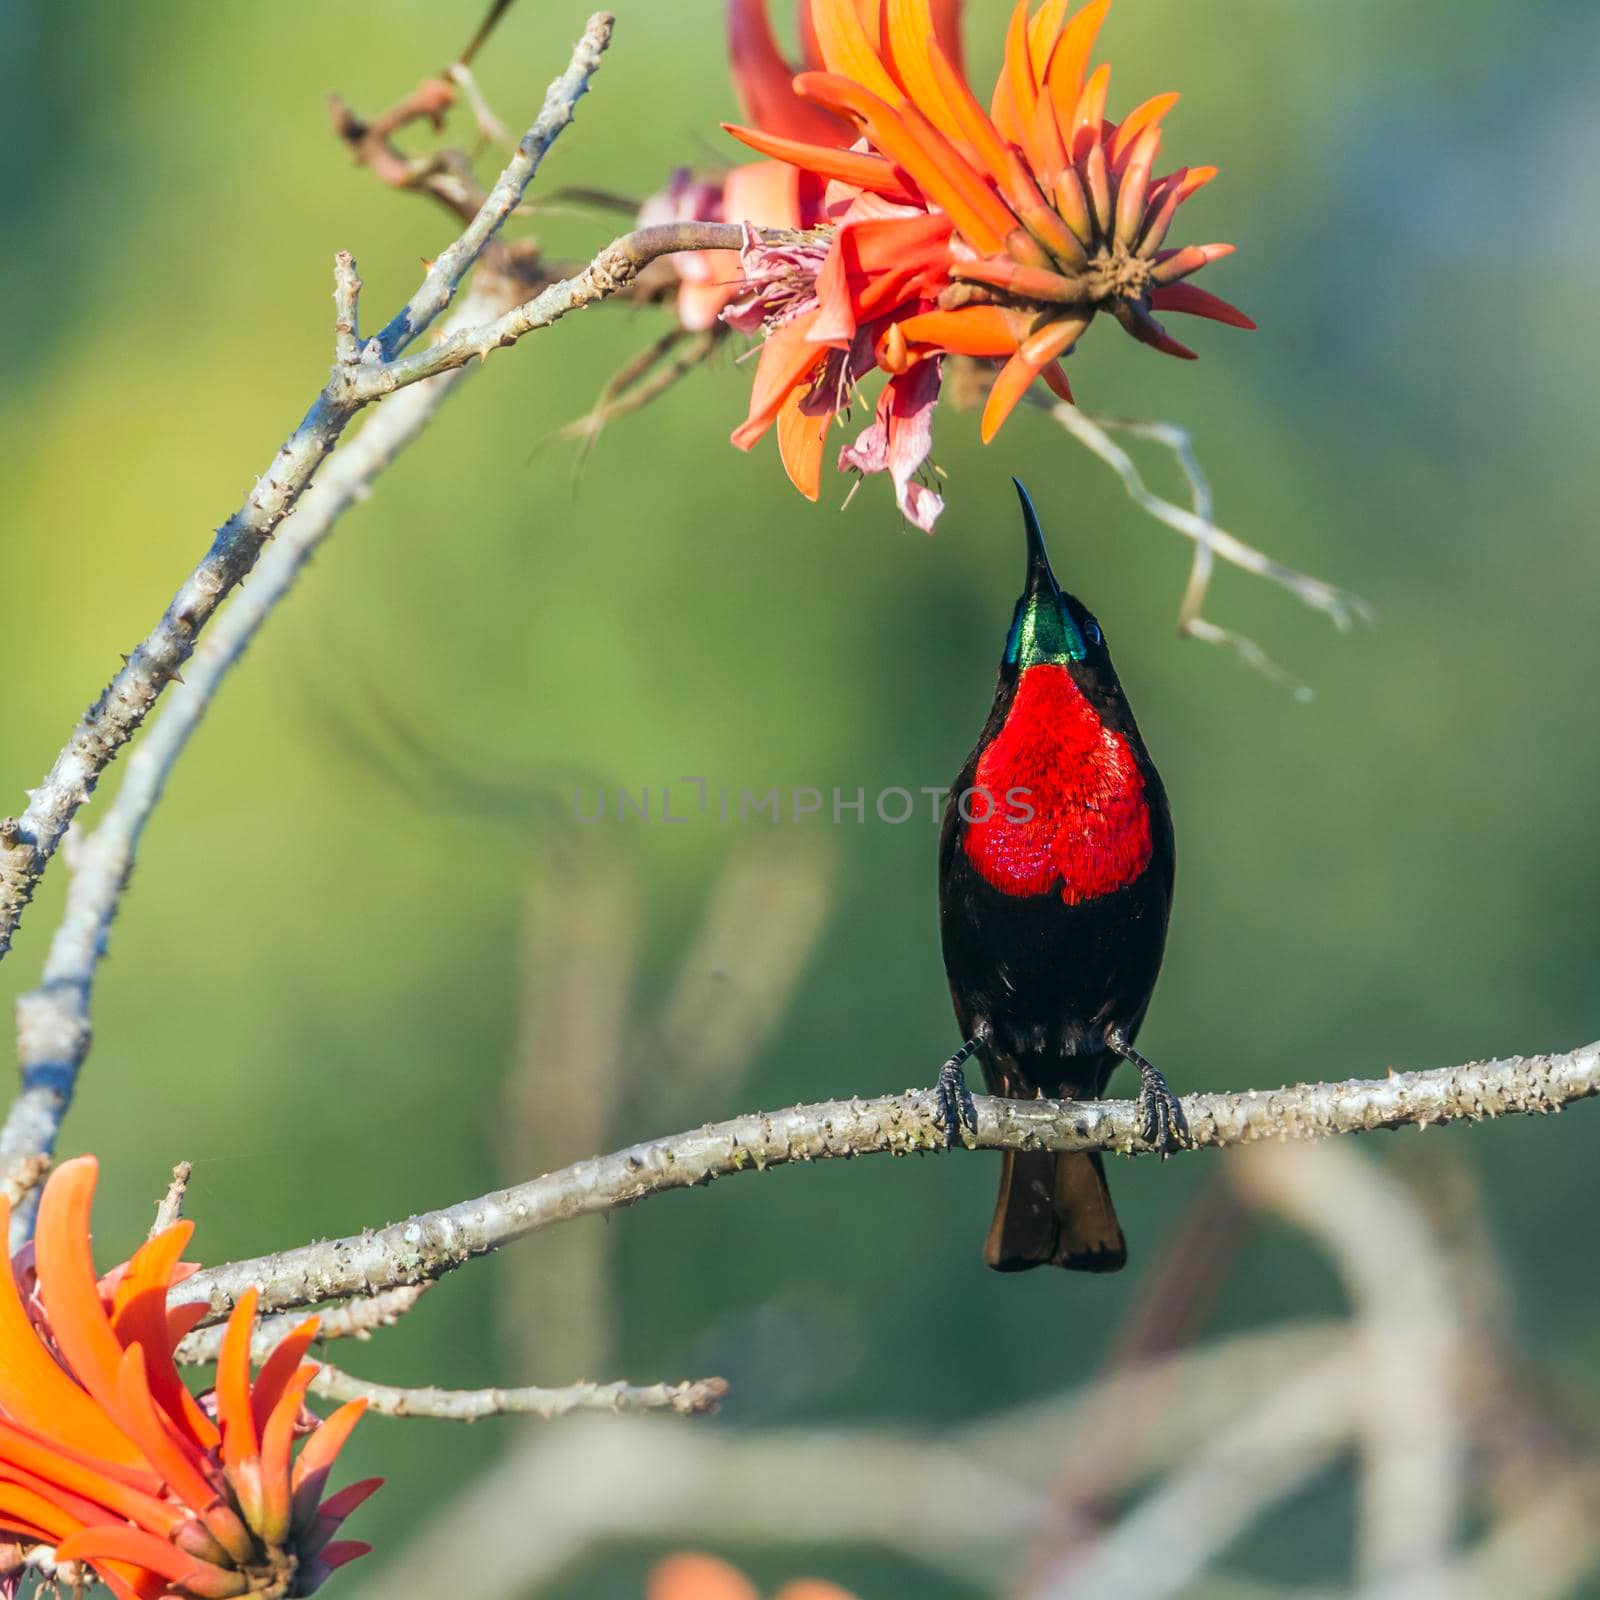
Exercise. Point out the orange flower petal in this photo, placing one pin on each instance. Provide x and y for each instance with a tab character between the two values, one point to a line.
279	1369
1035	353
234	1411
35	1455
812	1589
1022	89
971	331
907	138
854	167
1148	115
800	444
1025	283
1068	65
1194	302
1043	32
316	1459
1164	199
277	1441
972	120
1190	259
947	29
181	1472
183	1320
787	360
911	38
848	50
141	1549
697	1577
764	81
1088	117
36	1392
1049	146
68	1288
24	1510
141	1318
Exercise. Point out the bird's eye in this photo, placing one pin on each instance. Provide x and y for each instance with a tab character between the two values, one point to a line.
1091	631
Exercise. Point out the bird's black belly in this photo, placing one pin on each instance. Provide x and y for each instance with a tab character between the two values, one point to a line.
1044	979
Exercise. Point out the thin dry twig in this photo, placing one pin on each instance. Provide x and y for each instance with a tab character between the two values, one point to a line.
698	1398
644	379
880	1483
1191	624
434	1243
1195	523
171	1207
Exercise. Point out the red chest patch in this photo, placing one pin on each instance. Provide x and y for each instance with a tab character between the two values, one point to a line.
1090	827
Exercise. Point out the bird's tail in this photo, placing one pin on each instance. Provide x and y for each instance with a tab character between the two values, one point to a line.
1054	1210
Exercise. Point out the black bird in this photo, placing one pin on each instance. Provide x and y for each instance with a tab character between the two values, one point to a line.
1055	882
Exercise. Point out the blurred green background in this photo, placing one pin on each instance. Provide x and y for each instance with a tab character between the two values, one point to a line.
320	977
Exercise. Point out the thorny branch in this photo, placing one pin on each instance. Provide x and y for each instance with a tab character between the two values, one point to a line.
28	841
356	1319
54	1033
429	1245
697	1398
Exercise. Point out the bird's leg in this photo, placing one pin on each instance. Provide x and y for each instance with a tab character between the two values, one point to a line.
956	1110
1161	1119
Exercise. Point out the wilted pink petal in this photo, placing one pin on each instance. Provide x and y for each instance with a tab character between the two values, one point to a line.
898	441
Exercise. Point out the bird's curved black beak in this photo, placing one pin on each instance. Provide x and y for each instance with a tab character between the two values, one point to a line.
1041	581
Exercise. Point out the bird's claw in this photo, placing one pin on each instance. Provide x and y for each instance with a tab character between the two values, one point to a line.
957	1114
1161	1119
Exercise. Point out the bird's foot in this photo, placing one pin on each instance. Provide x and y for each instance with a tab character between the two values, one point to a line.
957	1114
1161	1119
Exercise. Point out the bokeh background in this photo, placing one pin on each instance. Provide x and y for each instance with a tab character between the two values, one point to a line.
368	963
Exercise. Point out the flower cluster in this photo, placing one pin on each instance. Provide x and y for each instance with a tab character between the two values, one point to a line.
933	225
107	1459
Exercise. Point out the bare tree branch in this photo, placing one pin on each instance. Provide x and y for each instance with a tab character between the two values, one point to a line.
357	1319
27	842
54	1033
432	1244
698	1398
615	268
880	1483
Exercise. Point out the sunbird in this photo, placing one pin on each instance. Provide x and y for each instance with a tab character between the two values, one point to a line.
1055	884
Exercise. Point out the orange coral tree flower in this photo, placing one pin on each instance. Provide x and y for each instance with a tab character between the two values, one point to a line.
691	1576
108	1459
955	228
